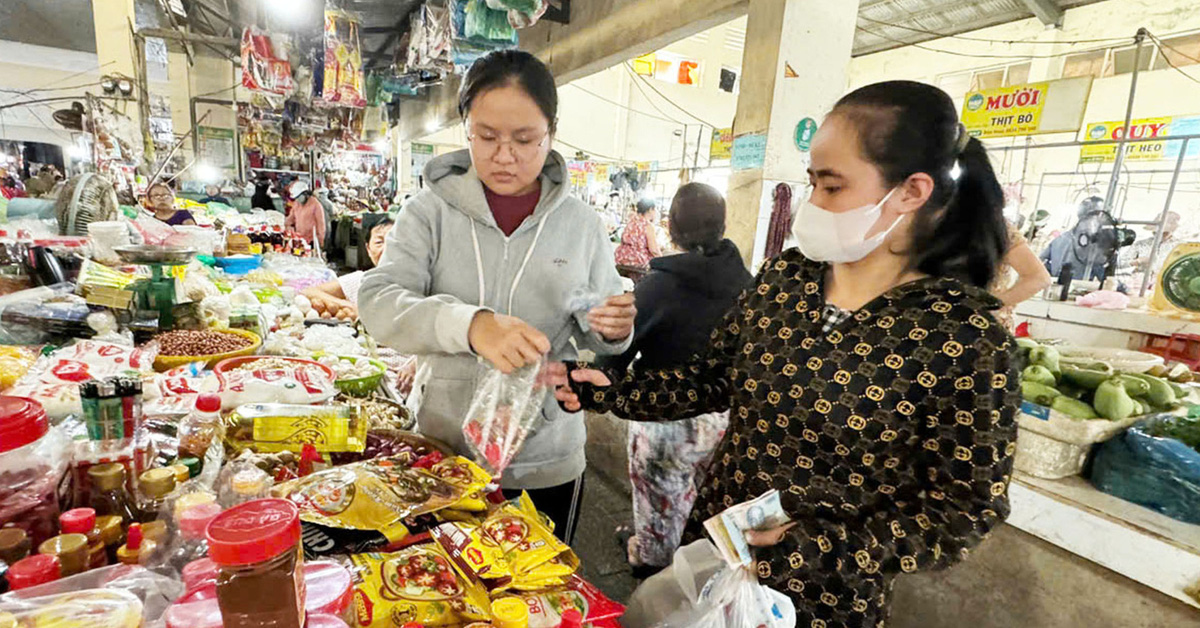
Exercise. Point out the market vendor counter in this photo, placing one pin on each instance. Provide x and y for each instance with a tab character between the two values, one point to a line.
1089	327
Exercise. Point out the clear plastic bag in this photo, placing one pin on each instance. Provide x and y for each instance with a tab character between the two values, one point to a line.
698	590
1160	473
503	412
125	591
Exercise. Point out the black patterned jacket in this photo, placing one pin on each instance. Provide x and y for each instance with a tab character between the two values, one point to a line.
890	437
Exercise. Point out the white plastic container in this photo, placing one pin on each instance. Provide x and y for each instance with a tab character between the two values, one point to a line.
1053	445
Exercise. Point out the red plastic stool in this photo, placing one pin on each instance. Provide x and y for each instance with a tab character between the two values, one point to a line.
1183	348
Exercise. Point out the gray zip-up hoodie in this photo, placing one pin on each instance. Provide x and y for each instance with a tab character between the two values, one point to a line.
446	259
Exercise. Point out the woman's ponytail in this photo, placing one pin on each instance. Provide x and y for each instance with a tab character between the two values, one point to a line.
905	127
969	237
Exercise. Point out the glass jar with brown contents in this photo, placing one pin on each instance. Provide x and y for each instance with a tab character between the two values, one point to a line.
109	496
256	546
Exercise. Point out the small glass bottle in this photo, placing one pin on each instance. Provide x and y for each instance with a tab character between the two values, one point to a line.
109	496
112	534
71	550
83	521
154	486
14	545
200	427
137	550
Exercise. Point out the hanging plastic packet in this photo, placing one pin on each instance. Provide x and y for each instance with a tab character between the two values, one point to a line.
502	414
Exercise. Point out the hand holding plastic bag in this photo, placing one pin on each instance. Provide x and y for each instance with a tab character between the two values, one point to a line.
698	590
503	412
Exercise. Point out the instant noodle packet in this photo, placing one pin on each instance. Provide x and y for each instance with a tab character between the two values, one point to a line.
546	607
474	552
467	477
417	584
533	553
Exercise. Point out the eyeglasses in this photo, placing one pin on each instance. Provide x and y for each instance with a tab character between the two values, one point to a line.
488	144
162	195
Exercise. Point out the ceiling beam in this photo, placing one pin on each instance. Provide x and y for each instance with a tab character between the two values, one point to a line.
1047	11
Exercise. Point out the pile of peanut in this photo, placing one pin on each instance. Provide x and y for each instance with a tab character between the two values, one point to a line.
189	342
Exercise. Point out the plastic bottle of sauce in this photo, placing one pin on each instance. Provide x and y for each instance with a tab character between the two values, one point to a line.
136	550
32	571
111	534
154	485
71	550
510	612
256	547
109	496
83	521
200	427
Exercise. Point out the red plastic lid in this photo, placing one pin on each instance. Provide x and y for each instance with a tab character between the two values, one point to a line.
571	618
32	571
22	421
133	539
254	532
328	587
208	402
194	521
322	620
77	521
199	572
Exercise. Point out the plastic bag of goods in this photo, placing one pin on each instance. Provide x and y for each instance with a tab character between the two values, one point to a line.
54	379
153	591
503	412
94	607
273	380
1155	464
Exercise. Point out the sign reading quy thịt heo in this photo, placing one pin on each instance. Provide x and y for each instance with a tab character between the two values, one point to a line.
1152	135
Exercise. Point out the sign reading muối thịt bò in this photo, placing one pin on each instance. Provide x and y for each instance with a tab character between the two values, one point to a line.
1029	109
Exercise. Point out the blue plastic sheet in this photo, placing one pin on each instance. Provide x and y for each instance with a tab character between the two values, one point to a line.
1162	474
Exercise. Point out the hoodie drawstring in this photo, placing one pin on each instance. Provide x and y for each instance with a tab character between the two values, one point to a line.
520	271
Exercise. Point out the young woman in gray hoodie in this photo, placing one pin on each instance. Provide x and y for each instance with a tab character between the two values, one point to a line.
490	261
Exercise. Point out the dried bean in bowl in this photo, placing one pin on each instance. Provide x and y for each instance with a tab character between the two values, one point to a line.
189	342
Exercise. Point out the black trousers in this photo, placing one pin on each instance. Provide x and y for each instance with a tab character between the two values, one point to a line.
560	503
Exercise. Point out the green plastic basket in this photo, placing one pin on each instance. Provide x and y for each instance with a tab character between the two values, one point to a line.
360	386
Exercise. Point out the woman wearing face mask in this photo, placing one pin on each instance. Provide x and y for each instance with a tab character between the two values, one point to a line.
866	380
484	262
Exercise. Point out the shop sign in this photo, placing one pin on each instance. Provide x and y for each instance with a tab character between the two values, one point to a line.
1032	108
722	144
421	155
805	131
1153	139
749	151
577	173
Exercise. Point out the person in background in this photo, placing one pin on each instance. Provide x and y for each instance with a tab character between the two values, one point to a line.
679	303
306	216
42	184
866	381
160	199
339	298
1021	276
212	194
1061	250
262	195
639	241
483	262
1133	260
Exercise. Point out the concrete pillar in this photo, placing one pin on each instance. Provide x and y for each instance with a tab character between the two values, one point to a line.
115	49
793	68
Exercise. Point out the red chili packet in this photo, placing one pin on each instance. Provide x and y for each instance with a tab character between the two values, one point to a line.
546	607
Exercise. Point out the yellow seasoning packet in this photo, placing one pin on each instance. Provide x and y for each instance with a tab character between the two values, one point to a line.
468	477
528	544
473	551
417	584
374	495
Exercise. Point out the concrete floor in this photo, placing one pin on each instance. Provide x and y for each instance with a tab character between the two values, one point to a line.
606	505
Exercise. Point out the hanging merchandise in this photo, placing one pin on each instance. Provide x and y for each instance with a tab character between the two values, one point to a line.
478	30
521	13
264	63
430	45
342	82
781	220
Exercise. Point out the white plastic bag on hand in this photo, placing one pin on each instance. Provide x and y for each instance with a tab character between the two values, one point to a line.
699	590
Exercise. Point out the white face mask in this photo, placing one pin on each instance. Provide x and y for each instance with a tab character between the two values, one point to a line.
839	237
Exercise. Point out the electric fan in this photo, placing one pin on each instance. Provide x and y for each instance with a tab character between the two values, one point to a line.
1178	287
85	199
1097	237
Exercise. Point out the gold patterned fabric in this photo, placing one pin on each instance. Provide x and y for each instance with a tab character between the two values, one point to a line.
890	436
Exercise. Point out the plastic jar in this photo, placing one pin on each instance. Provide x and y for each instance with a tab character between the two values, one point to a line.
32	571
256	546
31	466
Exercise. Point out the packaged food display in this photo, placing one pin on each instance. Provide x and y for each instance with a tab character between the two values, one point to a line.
548	608
54	379
32	463
273	380
418	584
95	608
14	363
256	547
